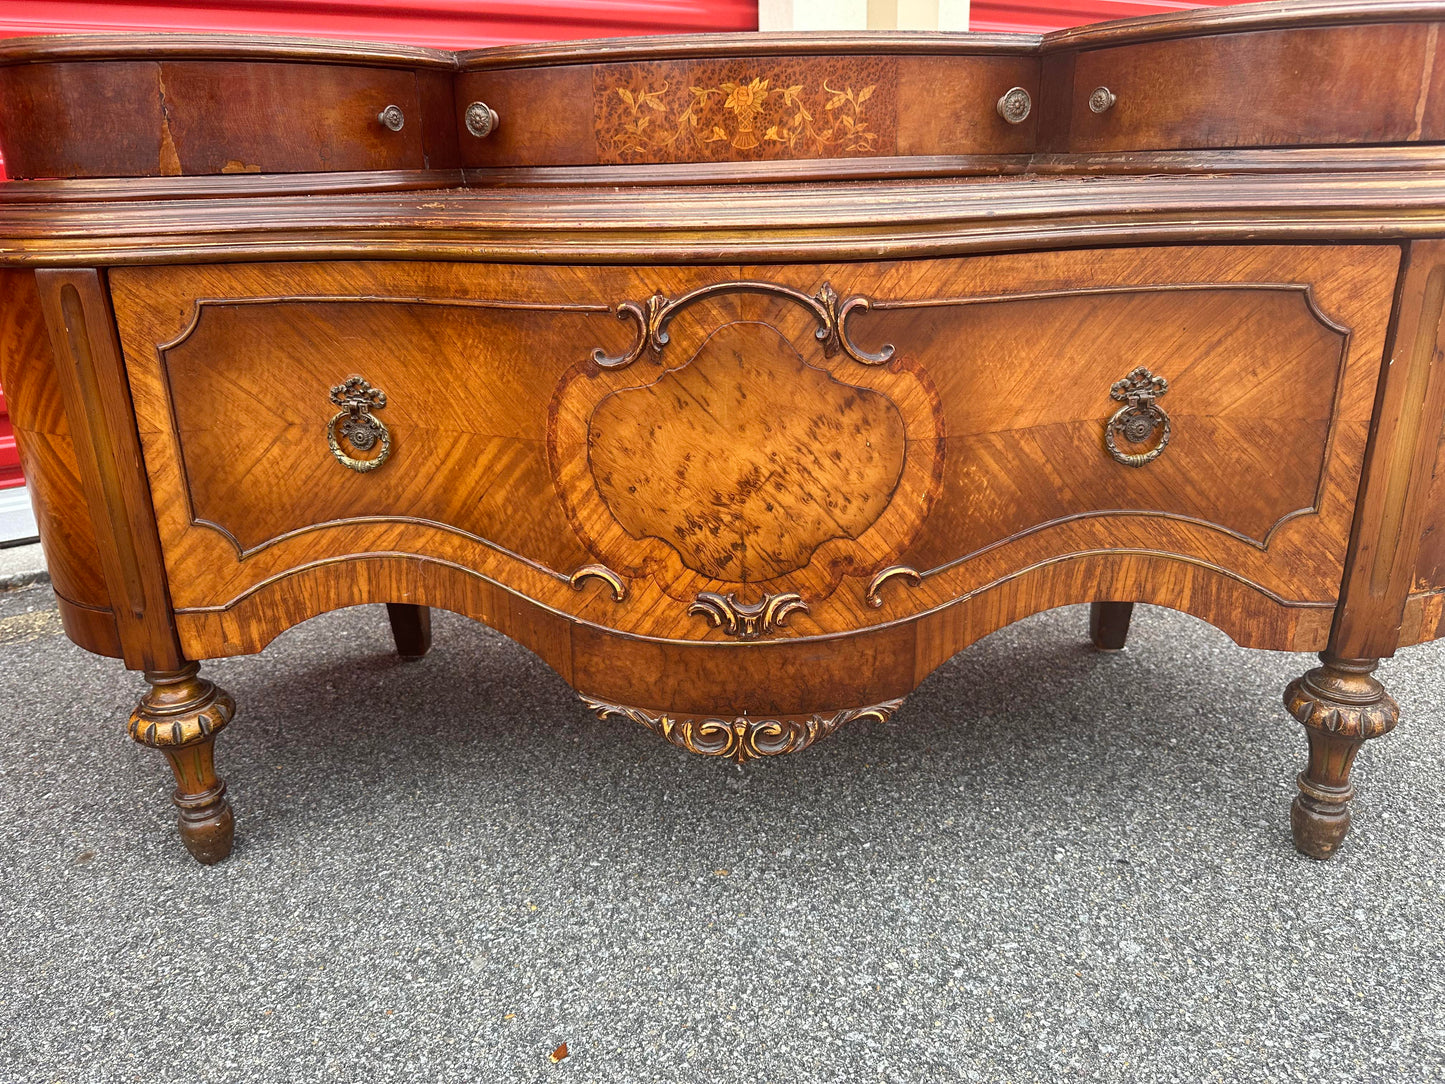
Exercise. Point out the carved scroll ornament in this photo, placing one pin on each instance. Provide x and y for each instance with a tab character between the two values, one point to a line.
746	621
741	739
654	314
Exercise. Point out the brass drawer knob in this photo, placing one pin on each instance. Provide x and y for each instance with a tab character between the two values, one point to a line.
1015	105
1102	100
392	117
1139	418
361	429
481	119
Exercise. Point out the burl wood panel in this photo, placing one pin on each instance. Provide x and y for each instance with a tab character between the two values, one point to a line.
739	517
47	455
747	109
606	492
739	466
1321	85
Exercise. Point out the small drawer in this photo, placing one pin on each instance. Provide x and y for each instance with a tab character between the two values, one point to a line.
749	109
185	118
1316	86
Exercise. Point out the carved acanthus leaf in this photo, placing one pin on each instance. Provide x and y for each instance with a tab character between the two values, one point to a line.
742	738
746	621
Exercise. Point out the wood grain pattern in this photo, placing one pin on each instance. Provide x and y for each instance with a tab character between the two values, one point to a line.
247	117
747	110
101	119
171	118
157	106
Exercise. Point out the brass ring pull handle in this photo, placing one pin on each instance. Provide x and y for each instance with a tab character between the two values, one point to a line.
358	426
1102	100
481	119
392	118
1139	418
1015	105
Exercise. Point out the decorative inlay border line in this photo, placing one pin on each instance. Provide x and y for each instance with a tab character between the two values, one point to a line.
743	738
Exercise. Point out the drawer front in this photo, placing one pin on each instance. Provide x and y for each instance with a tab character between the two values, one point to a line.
1316	86
748	109
734	454
173	118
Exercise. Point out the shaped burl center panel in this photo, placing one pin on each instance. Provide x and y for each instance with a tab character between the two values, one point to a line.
746	458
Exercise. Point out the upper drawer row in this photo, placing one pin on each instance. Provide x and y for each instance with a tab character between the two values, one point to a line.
163	116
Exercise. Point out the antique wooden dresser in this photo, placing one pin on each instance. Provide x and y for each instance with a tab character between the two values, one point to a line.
743	379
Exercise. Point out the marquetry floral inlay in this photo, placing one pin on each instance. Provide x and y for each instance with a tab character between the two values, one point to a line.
753	114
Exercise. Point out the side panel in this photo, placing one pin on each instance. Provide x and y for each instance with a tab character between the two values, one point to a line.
48	455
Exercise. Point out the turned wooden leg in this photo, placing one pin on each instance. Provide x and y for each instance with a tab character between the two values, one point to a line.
181	715
1342	706
411	626
1109	624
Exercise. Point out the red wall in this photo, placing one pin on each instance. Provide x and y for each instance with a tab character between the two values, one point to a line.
9	460
1039	15
449	23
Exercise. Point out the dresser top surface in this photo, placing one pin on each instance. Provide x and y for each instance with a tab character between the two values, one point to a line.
1280	14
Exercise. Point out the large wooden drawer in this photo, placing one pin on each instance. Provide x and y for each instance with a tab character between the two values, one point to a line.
730	453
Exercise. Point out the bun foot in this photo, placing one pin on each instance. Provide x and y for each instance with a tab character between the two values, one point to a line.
1341	706
204	817
1319	827
181	716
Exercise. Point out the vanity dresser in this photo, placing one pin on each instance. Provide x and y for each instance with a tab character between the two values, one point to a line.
744	379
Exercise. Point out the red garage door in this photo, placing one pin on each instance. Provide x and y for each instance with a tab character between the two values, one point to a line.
1040	15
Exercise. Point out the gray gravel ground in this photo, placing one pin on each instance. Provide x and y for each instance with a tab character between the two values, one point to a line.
1052	865
22	565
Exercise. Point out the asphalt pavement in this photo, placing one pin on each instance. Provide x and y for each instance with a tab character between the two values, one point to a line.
1051	865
